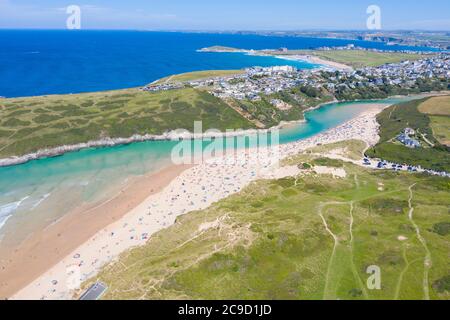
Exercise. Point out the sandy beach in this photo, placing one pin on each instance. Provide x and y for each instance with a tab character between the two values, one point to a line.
146	207
295	57
20	265
317	60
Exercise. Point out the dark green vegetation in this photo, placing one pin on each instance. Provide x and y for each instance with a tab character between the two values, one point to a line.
442	228
271	242
442	285
344	92
30	124
432	154
268	115
327	162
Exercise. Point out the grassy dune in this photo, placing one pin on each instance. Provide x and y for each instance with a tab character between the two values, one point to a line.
396	118
271	241
199	75
30	124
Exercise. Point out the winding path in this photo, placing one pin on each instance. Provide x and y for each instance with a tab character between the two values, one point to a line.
354	270
427	261
402	274
336	242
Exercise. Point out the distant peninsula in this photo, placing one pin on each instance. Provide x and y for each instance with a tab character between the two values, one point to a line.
341	58
222	49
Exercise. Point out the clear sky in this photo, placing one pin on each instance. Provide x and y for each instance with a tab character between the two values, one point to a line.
226	14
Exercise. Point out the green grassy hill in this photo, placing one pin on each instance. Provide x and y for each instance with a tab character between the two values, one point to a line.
30	124
199	75
398	117
309	237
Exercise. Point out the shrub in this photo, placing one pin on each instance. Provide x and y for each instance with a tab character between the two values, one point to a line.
442	228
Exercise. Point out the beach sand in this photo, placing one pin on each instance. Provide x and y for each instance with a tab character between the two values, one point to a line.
20	265
317	60
59	255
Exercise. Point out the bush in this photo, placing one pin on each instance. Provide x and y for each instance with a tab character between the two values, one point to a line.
442	285
385	206
327	162
442	228
14	122
305	166
45	118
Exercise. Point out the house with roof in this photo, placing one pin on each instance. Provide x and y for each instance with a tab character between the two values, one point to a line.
405	138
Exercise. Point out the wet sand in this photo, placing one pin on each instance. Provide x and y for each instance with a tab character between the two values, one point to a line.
21	265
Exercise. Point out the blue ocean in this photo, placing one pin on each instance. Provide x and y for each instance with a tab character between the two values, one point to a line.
39	62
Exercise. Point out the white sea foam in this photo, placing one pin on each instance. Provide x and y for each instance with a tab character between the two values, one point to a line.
3	220
7	210
42	199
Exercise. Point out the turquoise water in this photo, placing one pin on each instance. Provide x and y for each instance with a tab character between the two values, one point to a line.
39	192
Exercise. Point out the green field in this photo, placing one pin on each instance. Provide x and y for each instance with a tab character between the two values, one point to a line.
398	117
308	237
438	106
353	58
199	75
441	129
359	58
30	124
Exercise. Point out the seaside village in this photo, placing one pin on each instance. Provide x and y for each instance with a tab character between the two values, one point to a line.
259	81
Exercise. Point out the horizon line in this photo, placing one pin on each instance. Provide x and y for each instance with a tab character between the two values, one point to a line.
231	30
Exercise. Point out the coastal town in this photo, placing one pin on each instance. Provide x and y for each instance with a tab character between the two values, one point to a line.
431	73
